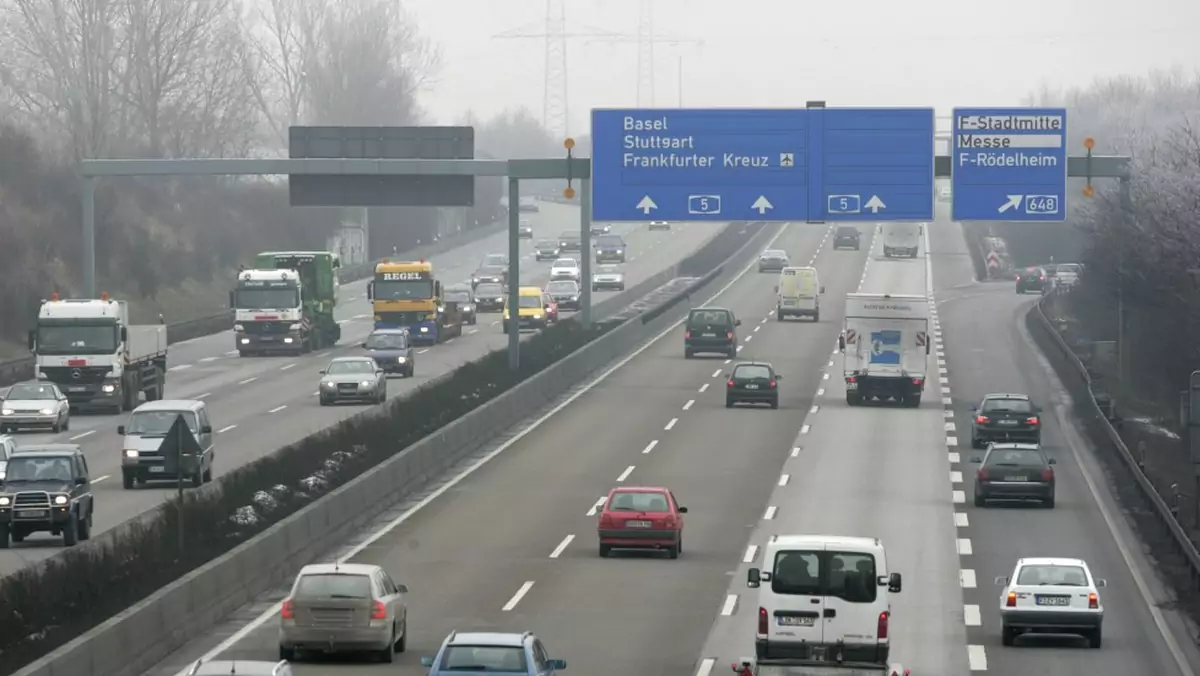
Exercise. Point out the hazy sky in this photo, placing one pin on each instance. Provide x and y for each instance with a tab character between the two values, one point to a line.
780	53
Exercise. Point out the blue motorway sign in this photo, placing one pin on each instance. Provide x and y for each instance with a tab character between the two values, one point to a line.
729	164
1009	164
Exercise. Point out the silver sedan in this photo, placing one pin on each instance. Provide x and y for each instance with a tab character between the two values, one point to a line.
353	379
35	404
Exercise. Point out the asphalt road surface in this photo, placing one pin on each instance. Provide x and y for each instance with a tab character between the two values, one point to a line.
259	404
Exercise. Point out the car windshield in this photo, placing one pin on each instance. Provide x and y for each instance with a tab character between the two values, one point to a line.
638	501
773	253
1007	406
1069	268
492	270
567	236
157	423
562	287
38	469
484	658
565	263
797	572
458	296
350	366
547	244
387	341
747	372
495	259
610	241
847	230
531	301
1050	575
709	317
333	586
1015	456
607	270
489	290
26	391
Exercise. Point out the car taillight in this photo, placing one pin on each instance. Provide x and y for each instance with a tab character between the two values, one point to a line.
1093	601
1011	601
1018	278
1031	420
850	379
729	335
982	475
729	384
981	419
378	611
771	384
881	631
1048	474
1041	279
763	621
687	334
916	381
288	611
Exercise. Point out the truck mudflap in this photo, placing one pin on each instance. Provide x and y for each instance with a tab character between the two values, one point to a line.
794	667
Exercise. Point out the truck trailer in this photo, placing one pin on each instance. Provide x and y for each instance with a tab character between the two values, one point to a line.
885	348
96	357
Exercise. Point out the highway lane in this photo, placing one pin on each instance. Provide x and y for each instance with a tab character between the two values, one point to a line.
255	411
658	415
988	350
867	471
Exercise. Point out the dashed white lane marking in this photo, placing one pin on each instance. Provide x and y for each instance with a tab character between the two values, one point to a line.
804	429
82	435
971	615
730	605
825	376
225	429
748	339
966	578
248	380
516	598
209	359
450	340
953	457
820	391
706	666
945	390
625	475
947	401
739	347
948	413
286	367
726	361
472	331
958	497
770	513
649	447
814	408
751	552
950	427
422	351
180	367
955	477
961	520
98	479
671	423
704	387
277	409
561	546
755	331
977	658
689	404
784	479
231	353
716	373
964	546
201	396
951	442
795	451
596	507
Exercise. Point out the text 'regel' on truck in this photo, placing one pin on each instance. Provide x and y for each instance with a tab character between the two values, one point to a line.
286	303
885	348
406	295
89	349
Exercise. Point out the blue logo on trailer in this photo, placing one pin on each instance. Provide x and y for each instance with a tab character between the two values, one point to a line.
1009	164
885	347
806	164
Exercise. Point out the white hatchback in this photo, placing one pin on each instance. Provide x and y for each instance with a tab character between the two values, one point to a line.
565	268
1051	596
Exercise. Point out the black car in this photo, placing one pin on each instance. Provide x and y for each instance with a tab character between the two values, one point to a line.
392	351
496	274
46	488
546	250
1032	279
610	249
846	237
773	260
525	230
461	299
752	383
566	293
569	241
599	229
711	329
1006	417
1014	472
489	297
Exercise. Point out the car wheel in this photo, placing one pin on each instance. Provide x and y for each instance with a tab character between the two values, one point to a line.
1094	637
324	401
975	442
778	316
85	529
673	552
288	654
853	399
980	501
402	644
1008	635
126	480
775	402
729	402
70	531
1048	503
4	536
388	654
688	354
604	551
732	353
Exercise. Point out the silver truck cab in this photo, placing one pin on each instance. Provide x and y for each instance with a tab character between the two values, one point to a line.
142	457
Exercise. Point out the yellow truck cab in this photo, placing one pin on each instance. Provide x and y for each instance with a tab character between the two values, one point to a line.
532	312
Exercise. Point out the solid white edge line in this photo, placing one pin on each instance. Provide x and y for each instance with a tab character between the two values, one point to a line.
516	598
270	613
82	435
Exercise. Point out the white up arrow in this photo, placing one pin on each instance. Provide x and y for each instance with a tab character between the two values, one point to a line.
875	204
1014	202
646	205
762	205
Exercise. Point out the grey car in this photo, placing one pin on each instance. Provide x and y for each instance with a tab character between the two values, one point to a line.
773	260
353	379
392	351
565	292
608	278
1014	472
344	607
35	404
525	229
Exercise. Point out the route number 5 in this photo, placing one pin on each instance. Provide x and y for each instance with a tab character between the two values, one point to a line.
703	201
843	204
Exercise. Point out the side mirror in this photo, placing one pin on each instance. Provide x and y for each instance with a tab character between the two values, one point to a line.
974	408
822	289
975	459
683	510
725	376
364	343
753	578
32	338
558	664
1052	461
206	429
402	588
322	371
121	430
371	288
895	584
776	288
737	322
427	661
778	376
1001	581
842	343
81	481
1101	582
125	332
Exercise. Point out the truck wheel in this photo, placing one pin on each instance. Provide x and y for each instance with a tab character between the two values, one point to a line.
4	536
70	532
912	401
853	399
85	529
817	316
126	480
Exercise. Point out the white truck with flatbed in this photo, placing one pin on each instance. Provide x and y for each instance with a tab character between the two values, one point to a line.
96	357
885	348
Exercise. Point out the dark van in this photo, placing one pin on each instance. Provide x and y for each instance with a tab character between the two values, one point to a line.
711	329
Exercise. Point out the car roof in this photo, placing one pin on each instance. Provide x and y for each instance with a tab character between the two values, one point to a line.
843	541
334	568
490	638
171	405
1006	395
390	332
529	291
48	449
1051	561
754	363
640	489
1012	446
350	358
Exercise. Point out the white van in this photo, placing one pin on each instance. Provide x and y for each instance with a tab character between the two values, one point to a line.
799	292
821	595
902	239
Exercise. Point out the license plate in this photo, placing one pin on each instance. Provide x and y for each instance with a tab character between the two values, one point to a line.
157	469
751	387
32	514
1008	422
1014	478
851	386
1053	600
709	335
796	621
637	524
77	389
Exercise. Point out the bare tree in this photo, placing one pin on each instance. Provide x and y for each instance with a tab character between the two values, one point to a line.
283	39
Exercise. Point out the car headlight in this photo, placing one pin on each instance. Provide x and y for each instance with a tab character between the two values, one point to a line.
238	327
7	411
619	251
327	385
402	360
468	307
109	388
424	329
47	411
131	453
574	298
5	501
60	499
366	383
537	315
295	327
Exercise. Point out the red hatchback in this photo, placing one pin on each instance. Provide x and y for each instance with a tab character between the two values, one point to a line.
646	517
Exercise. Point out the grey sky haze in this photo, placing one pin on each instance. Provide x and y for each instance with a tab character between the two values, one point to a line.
780	53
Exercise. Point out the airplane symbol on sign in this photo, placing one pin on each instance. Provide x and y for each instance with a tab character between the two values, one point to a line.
787	159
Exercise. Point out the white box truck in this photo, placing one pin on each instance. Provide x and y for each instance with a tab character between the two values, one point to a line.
885	348
902	239
88	348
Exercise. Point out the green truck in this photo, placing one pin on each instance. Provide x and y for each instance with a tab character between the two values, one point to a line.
285	303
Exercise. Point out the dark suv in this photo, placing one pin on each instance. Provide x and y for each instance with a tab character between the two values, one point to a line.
711	329
569	241
610	249
846	237
1014	472
1006	417
46	487
1032	279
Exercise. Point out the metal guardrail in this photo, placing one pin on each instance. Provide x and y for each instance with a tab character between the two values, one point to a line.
1183	545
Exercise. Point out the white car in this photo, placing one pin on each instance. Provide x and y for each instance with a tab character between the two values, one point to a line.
35	404
8	446
565	268
1051	596
1067	275
608	278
